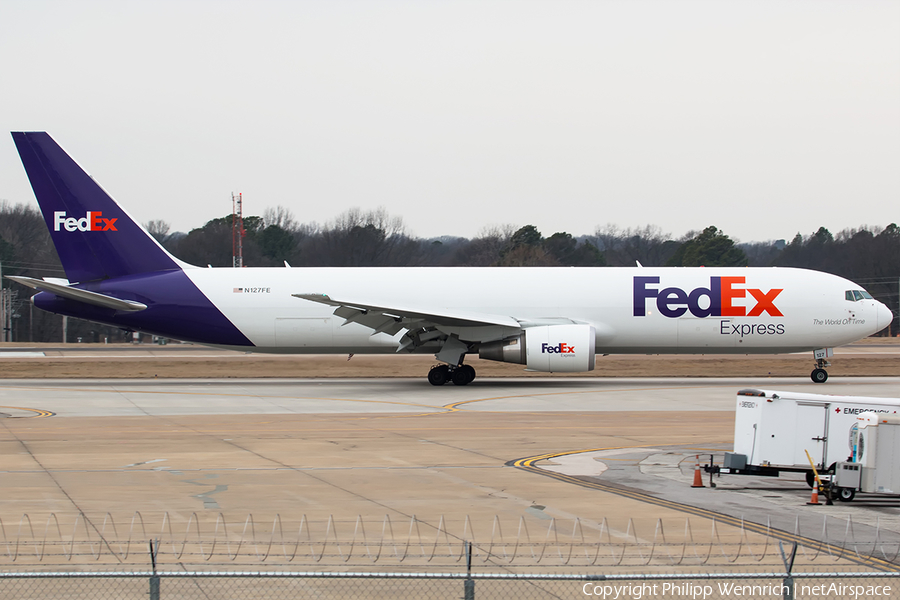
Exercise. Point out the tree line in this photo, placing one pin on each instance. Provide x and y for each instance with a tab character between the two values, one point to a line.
869	256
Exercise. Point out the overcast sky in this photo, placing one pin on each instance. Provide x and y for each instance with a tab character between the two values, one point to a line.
762	118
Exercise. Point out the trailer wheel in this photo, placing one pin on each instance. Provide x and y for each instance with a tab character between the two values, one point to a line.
810	479
846	494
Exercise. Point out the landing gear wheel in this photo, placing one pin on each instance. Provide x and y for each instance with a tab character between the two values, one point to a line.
845	494
439	375
463	375
819	375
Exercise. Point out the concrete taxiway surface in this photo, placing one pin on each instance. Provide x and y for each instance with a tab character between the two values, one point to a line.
596	449
122	398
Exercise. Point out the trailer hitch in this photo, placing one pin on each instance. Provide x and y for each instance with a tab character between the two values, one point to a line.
712	469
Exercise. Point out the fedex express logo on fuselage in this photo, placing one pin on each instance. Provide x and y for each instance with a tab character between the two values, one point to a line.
718	299
93	221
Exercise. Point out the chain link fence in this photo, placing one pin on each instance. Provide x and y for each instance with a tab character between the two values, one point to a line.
422	586
94	558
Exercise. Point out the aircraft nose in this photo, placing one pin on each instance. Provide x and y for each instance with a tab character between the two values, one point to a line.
885	316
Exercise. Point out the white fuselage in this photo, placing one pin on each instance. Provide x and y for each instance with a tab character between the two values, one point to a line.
810	311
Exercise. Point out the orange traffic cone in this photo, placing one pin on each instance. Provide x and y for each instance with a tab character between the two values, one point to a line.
815	496
698	476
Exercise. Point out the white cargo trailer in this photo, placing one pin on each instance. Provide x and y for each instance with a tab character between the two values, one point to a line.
774	430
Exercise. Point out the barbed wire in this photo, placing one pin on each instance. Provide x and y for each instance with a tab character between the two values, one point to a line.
417	542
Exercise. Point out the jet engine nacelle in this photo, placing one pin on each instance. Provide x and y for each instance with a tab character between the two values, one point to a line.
548	348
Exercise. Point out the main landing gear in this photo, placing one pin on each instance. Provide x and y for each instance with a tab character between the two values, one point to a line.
819	374
441	374
451	355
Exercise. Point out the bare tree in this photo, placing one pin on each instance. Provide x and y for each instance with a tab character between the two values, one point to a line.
280	217
158	228
23	227
358	238
486	249
648	244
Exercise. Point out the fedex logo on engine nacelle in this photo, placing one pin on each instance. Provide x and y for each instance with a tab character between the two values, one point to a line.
560	348
721	295
93	221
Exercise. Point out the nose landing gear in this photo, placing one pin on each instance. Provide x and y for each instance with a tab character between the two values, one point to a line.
819	374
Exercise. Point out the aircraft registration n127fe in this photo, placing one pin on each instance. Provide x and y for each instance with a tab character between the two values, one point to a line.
548	319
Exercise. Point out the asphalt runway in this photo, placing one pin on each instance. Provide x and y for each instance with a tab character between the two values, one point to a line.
618	450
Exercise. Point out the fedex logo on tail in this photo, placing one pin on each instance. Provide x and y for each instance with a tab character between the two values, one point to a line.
93	221
720	299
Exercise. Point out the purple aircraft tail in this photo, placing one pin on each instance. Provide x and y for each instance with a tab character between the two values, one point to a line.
94	237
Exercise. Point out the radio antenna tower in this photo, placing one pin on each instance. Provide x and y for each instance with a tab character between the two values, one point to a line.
237	231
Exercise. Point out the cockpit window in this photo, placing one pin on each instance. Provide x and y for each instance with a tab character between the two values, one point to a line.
857	295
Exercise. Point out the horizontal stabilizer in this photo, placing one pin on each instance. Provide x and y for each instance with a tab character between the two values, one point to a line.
79	295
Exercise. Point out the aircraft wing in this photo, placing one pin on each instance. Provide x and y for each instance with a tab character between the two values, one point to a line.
393	319
79	295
